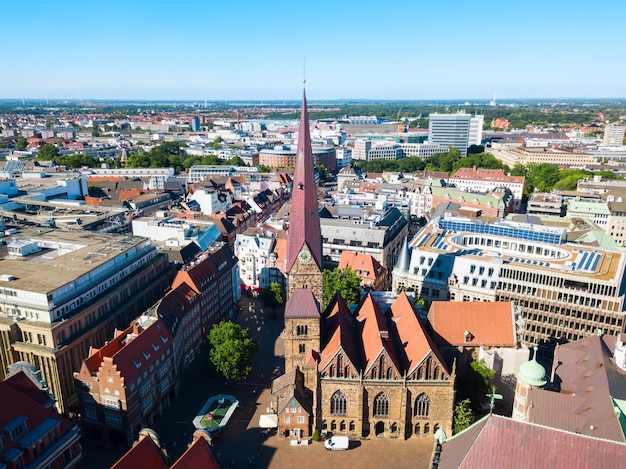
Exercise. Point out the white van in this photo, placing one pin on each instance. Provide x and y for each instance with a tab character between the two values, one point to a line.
337	443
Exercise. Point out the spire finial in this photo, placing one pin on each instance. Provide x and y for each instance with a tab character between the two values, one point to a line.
304	71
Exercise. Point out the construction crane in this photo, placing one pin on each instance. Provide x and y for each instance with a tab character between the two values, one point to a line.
401	126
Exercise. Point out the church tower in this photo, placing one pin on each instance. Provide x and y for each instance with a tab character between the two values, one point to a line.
532	375
304	239
304	258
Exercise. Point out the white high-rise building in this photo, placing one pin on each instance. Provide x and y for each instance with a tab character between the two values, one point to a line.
476	130
451	130
614	135
361	149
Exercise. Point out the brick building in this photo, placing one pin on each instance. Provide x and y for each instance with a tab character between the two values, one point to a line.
33	434
124	385
66	291
374	371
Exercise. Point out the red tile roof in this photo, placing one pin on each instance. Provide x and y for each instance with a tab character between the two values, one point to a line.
22	383
588	381
366	267
496	442
375	335
145	454
134	357
197	456
302	304
340	329
418	344
489	323
14	405
482	174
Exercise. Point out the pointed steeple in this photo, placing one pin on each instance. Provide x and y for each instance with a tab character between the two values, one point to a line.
404	260
304	220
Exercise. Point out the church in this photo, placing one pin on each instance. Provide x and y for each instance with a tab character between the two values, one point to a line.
366	370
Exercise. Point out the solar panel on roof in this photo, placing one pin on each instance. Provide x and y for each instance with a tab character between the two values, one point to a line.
595	263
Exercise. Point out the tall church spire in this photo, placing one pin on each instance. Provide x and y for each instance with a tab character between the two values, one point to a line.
304	222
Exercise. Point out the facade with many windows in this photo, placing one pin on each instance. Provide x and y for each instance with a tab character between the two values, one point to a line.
565	290
126	384
66	291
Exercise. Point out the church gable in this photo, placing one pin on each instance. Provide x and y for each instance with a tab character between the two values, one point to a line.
430	369
339	366
382	367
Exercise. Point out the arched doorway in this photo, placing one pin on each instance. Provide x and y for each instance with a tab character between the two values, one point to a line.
379	429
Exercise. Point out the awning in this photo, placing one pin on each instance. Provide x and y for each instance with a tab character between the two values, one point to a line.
268	421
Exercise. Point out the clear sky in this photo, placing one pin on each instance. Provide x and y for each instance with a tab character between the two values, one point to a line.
240	49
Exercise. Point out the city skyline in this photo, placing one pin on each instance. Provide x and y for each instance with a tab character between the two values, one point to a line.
352	50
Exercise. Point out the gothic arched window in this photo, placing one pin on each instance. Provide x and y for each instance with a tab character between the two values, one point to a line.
381	405
338	403
422	406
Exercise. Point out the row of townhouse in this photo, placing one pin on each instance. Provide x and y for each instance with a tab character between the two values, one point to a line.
124	385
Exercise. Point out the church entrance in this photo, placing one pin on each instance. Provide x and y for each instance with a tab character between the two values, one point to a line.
379	429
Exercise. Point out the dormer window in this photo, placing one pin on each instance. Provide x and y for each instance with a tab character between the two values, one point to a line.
468	336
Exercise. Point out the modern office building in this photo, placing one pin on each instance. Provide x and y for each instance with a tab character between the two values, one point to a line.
63	292
564	290
476	130
450	130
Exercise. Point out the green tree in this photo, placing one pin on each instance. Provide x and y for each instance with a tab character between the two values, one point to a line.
475	149
463	415
274	296
475	382
21	143
543	176
343	281
323	173
48	152
232	350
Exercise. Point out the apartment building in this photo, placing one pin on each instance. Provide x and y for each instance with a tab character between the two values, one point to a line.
63	292
486	180
123	386
614	135
33	434
261	260
564	291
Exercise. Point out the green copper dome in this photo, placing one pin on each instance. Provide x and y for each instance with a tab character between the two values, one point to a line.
532	373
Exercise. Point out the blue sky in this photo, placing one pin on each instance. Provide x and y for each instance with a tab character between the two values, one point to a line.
239	50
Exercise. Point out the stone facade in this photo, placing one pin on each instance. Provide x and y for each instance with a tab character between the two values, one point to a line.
305	275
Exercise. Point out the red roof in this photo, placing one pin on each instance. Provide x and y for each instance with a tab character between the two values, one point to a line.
501	443
22	383
134	357
342	336
482	174
375	335
15	404
304	220
418	345
197	456
145	454
366	267
489	323
302	304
